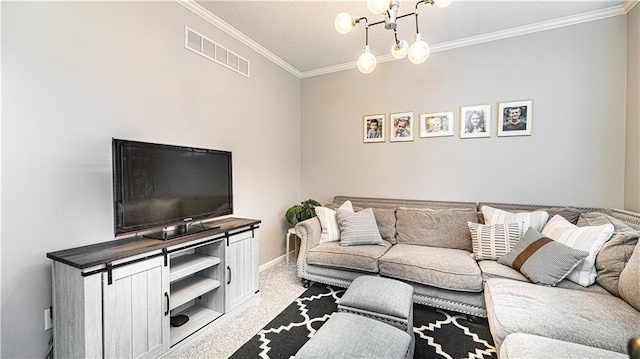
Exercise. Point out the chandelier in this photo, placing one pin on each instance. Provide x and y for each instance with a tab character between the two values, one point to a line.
417	53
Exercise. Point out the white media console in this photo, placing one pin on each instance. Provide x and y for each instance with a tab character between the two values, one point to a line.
115	299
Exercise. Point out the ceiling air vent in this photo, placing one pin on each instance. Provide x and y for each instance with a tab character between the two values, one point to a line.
201	45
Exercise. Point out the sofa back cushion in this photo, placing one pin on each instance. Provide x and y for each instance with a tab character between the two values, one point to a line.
629	284
615	253
444	228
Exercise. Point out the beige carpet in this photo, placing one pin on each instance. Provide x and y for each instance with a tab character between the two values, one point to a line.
279	286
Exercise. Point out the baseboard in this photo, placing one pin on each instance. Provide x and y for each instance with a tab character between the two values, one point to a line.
277	261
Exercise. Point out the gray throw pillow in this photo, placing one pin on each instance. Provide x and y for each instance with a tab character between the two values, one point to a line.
386	220
541	259
629	285
358	228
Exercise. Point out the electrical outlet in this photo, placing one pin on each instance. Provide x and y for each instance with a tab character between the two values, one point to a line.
48	321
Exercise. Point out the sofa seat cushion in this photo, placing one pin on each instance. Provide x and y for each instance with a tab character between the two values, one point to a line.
361	258
493	269
593	319
445	268
519	345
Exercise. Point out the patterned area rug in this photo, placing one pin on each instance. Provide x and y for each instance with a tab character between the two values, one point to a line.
439	333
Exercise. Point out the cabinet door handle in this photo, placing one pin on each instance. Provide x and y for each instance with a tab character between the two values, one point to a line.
166	295
229	271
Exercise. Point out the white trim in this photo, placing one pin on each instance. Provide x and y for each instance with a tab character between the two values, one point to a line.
498	35
275	262
629	4
217	22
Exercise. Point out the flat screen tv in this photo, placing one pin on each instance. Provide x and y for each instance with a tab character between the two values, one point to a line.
167	187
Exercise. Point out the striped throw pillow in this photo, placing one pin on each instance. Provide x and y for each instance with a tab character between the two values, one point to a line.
493	241
358	228
541	259
329	223
536	219
589	238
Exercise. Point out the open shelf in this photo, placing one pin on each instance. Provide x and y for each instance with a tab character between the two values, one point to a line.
189	288
186	265
198	318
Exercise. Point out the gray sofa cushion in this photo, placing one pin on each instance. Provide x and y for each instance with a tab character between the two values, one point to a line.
615	253
361	258
519	345
386	220
445	268
629	284
445	228
598	320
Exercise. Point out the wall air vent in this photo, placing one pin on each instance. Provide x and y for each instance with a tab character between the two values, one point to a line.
201	45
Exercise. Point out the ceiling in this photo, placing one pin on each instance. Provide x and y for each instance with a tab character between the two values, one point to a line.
301	33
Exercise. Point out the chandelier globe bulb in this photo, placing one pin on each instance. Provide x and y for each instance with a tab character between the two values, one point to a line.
399	50
343	23
378	7
419	51
367	61
442	3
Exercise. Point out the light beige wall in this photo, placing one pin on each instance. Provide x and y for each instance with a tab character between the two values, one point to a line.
76	74
575	76
632	159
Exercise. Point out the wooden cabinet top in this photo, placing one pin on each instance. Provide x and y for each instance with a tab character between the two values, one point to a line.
107	252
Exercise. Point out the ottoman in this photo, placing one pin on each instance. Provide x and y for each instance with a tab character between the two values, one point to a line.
383	299
347	335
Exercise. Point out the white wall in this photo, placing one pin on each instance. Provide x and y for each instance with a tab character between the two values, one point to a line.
76	74
575	75
632	159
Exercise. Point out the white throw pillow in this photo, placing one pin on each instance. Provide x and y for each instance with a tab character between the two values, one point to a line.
492	241
536	219
589	238
329	222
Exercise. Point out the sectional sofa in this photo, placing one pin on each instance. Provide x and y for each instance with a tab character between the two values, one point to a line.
428	245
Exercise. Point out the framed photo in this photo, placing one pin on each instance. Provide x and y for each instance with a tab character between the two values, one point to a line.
374	128
475	121
401	127
436	124
515	118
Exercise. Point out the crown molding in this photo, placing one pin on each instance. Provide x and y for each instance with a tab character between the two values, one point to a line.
498	35
233	32
629	4
469	41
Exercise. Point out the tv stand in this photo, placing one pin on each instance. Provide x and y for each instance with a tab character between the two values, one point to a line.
141	283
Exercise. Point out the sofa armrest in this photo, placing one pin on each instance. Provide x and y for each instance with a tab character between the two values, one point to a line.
309	233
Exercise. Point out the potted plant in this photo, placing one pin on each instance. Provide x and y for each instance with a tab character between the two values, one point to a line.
302	211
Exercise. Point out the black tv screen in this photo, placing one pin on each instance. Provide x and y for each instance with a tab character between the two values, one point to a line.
156	185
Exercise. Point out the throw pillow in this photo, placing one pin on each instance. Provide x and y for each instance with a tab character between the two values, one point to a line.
615	253
541	259
629	285
358	228
590	239
495	240
329	223
444	228
536	219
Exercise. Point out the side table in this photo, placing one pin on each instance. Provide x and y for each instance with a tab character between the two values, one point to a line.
291	233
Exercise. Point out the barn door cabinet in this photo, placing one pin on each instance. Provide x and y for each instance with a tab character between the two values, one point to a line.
115	299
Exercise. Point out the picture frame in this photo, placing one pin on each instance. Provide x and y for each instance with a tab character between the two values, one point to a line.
374	128
401	127
436	124
475	121
521	111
